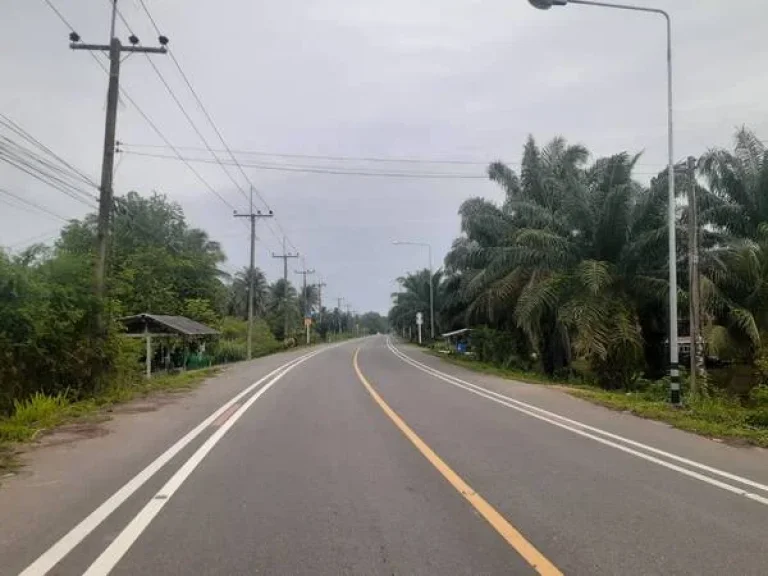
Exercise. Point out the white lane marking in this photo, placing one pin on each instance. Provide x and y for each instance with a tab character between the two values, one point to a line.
529	410
646	447
67	543
120	545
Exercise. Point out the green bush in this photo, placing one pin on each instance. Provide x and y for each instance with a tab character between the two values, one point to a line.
232	328
503	348
759	396
226	351
32	414
758	418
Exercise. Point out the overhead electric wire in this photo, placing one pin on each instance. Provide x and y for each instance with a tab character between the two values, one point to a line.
30	164
337	158
32	204
215	127
192	123
27	136
43	166
322	170
149	121
46	179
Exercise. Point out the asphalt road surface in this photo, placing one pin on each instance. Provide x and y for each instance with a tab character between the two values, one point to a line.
373	458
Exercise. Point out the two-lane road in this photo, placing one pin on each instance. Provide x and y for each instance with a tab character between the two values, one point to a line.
391	462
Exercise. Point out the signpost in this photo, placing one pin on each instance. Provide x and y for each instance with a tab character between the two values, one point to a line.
419	322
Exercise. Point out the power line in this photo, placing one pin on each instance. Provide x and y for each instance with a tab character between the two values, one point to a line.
60	15
214	126
32	204
162	136
27	136
49	235
192	123
358	159
46	179
149	121
339	158
320	170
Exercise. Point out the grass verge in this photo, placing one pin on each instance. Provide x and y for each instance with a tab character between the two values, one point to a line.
40	413
717	417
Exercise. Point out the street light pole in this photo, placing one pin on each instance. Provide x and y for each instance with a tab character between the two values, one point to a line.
431	282
671	212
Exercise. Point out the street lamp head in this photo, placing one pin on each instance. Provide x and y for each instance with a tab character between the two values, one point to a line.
547	4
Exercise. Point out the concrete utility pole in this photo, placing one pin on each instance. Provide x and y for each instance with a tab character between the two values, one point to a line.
285	256
251	271
307	307
697	356
320	287
339	300
106	192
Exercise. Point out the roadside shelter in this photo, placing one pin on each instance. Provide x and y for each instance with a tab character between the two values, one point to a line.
148	326
458	340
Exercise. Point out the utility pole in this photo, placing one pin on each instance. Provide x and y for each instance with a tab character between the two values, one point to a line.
697	356
106	192
253	216
285	257
320	287
349	318
307	308
339	300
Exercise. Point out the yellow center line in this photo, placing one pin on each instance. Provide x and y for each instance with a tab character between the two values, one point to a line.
513	537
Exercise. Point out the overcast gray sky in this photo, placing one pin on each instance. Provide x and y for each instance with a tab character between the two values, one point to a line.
435	79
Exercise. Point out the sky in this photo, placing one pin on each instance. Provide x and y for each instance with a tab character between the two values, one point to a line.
438	80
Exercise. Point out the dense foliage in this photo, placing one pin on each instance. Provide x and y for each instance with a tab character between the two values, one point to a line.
571	271
157	264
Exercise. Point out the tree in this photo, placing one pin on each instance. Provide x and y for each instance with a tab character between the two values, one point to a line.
157	261
237	304
282	309
413	297
568	259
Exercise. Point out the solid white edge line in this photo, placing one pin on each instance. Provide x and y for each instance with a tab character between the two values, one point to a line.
681	459
531	411
120	545
71	539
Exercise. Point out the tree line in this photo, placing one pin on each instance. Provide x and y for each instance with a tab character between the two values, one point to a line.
158	264
570	273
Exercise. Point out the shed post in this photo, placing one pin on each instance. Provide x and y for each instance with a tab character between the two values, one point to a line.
148	338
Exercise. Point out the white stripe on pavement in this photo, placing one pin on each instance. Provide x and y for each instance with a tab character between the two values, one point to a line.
579	428
71	539
120	545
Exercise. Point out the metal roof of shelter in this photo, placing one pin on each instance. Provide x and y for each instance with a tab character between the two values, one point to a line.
156	324
456	332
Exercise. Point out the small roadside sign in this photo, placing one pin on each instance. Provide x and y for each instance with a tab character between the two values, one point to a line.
307	322
419	318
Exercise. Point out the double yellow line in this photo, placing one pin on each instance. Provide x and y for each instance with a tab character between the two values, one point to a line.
513	537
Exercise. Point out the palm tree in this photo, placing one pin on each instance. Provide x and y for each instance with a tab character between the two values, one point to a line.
738	185
238	294
413	297
282	309
735	283
567	257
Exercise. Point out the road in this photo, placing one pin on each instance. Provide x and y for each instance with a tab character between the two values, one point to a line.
365	459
